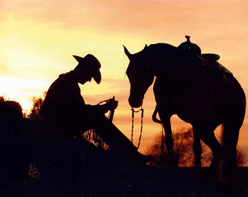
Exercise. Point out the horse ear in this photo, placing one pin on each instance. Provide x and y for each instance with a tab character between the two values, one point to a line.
145	48
129	55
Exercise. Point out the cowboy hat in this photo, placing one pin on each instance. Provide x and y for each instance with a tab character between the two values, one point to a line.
89	64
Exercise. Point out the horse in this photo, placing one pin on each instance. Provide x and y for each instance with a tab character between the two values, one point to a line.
201	92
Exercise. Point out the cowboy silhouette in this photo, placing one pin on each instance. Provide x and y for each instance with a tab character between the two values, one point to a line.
64	108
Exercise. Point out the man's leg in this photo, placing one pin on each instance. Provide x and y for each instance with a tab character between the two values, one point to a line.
113	136
116	140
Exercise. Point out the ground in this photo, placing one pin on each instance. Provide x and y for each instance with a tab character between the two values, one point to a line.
145	182
103	174
35	164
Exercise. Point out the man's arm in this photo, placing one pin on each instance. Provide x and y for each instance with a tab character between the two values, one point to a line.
89	109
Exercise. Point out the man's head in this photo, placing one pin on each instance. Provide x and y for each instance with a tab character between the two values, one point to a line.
89	66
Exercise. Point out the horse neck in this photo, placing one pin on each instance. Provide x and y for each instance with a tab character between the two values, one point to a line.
162	58
174	62
161	68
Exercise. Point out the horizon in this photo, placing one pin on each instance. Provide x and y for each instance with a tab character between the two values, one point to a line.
38	39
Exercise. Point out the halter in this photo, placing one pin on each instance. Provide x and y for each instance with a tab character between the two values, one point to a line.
141	124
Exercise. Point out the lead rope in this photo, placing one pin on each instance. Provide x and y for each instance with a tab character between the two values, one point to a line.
141	124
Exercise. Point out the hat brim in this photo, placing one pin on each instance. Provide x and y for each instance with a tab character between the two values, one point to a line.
97	77
79	59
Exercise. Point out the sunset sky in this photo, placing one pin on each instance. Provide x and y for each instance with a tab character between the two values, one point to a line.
38	39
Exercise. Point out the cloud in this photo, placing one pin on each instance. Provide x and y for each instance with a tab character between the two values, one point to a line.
122	22
111	15
206	21
2	11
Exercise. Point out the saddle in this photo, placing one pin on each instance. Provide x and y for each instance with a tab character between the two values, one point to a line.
210	59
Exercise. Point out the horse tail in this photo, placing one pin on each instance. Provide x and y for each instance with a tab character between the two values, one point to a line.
154	115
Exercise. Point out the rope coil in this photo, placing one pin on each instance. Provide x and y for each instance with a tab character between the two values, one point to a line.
141	124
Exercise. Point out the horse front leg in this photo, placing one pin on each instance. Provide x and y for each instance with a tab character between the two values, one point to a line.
168	135
169	143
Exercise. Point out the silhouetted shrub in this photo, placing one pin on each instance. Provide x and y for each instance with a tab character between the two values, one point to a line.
37	104
183	154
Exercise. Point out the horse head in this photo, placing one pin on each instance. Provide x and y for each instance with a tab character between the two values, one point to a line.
140	76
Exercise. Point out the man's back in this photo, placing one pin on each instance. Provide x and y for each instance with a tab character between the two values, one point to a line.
63	99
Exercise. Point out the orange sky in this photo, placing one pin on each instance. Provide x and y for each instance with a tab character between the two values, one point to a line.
38	39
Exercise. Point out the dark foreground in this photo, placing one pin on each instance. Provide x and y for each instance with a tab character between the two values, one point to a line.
136	182
77	168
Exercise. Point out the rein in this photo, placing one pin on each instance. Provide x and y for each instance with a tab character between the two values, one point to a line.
111	113
141	124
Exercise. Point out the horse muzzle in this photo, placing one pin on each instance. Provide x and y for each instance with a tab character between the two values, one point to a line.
135	100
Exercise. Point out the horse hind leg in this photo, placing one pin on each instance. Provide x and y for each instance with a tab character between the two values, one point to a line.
206	133
230	139
197	150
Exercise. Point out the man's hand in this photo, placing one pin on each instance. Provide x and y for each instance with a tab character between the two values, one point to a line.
112	104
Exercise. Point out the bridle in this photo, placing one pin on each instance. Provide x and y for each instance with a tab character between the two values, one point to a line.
141	124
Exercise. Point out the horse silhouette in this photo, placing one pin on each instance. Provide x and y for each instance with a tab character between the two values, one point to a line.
196	88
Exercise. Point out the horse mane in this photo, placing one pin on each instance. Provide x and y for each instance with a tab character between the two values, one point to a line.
166	60
169	58
159	47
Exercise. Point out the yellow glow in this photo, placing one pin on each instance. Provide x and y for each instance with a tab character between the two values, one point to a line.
38	39
21	90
